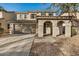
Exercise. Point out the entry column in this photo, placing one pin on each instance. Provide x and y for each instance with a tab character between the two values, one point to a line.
40	28
68	29
54	28
11	28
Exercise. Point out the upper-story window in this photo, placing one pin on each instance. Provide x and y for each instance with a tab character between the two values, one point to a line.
21	16
33	16
43	14
50	14
25	16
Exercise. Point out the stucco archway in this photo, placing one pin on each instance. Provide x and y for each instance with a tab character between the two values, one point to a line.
47	29
61	26
63	22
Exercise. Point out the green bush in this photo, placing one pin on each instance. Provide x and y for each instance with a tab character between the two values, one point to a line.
73	31
1	30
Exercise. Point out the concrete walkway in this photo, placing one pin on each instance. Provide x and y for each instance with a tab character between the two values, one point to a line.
16	45
45	39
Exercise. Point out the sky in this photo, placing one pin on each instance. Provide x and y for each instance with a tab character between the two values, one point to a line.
22	7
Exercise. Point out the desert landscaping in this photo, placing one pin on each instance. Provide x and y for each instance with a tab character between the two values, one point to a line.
57	47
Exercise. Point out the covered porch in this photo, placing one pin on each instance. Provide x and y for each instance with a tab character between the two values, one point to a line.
22	27
59	25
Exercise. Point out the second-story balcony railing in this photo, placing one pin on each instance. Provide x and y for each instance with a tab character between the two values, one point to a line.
56	17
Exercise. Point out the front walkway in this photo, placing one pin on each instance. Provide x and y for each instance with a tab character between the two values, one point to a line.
45	39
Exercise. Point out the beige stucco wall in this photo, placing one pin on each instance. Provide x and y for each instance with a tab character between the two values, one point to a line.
6	16
4	25
28	15
9	15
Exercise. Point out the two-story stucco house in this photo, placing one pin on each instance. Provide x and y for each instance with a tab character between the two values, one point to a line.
26	22
41	23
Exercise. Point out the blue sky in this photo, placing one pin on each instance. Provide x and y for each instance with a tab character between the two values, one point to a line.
22	7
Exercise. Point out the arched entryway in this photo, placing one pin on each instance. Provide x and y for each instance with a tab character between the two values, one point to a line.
47	29
61	26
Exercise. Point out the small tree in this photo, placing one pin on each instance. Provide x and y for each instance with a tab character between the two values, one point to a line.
66	7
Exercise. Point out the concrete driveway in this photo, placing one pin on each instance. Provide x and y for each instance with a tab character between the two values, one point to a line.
16	45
